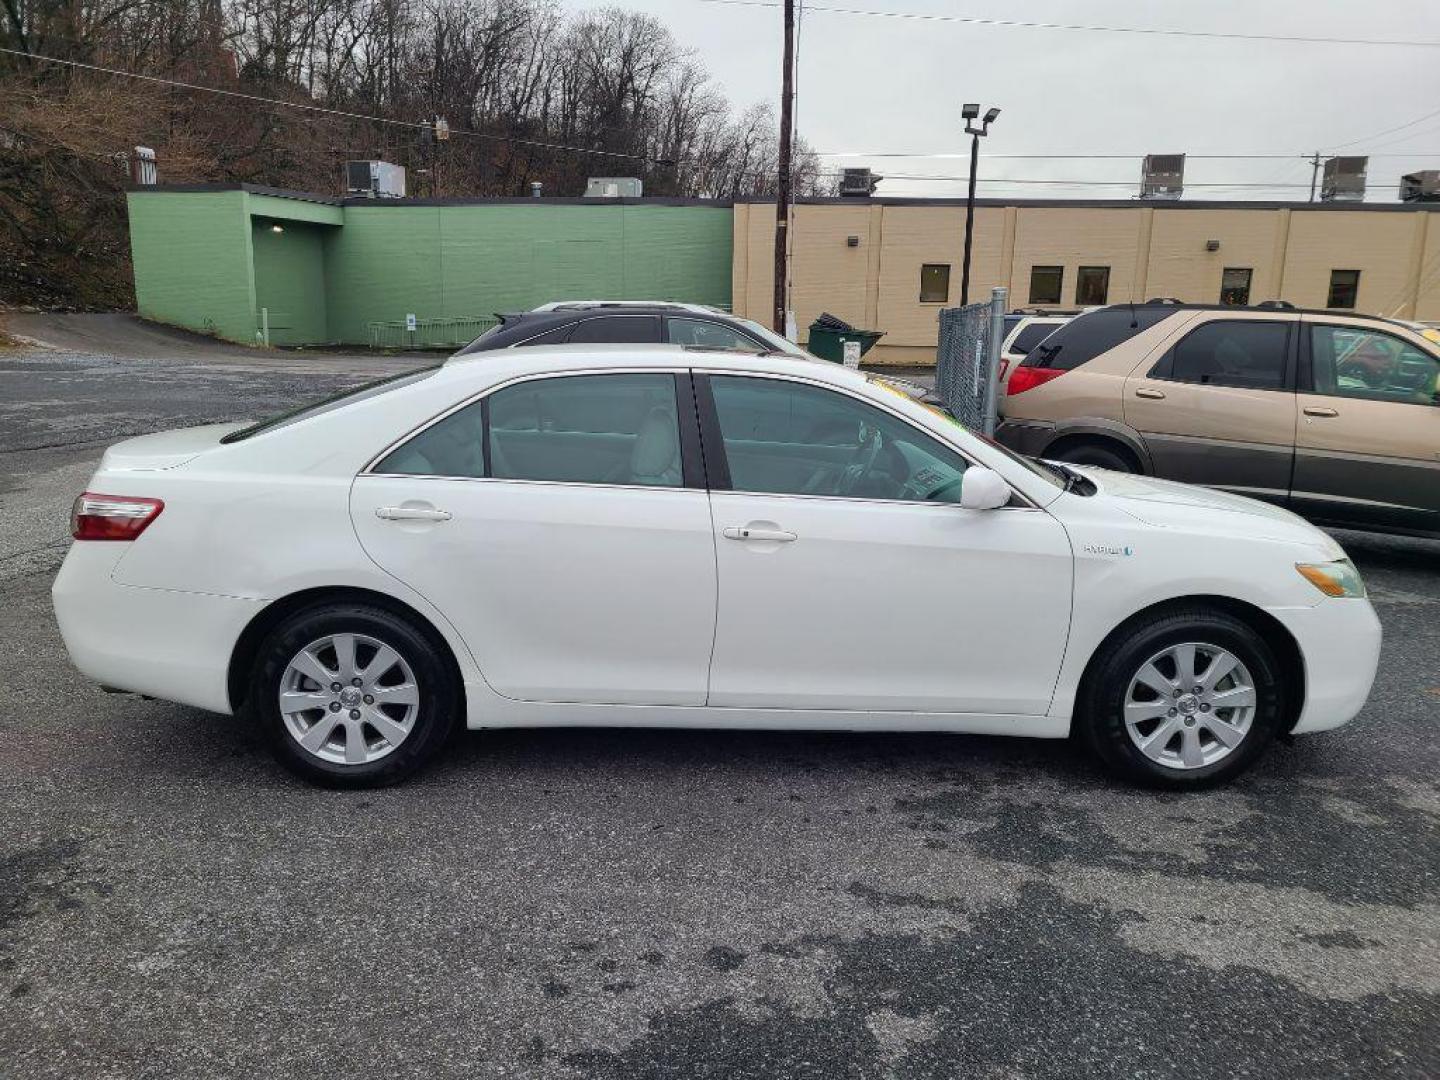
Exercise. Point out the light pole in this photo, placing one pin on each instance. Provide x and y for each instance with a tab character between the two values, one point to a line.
969	113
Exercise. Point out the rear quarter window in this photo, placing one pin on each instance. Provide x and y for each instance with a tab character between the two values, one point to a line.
1087	336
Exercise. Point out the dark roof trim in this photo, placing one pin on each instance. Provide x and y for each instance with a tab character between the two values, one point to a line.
1095	204
501	200
1112	204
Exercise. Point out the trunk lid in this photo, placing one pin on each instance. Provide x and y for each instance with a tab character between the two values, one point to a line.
164	449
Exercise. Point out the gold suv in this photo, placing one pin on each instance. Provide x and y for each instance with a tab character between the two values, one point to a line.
1335	416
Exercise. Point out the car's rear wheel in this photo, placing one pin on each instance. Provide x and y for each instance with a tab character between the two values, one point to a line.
1185	699
353	696
1092	453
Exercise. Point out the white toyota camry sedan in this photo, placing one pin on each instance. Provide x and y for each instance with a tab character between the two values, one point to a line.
667	537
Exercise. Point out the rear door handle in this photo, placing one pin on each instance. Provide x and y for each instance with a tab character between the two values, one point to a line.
745	532
1319	410
411	513
1150	392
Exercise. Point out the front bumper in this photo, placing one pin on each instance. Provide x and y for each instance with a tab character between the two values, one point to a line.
1029	437
1340	644
167	644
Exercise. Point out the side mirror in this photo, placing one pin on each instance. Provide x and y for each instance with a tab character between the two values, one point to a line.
983	489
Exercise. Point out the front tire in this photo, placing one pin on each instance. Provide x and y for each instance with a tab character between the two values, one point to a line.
1184	699
1093	454
352	695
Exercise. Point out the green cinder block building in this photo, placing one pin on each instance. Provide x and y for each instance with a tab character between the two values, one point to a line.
241	261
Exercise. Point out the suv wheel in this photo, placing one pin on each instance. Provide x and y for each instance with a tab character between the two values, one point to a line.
1184	699
1093	453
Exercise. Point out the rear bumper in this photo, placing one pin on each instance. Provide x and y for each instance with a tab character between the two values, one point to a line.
1029	437
1340	643
171	645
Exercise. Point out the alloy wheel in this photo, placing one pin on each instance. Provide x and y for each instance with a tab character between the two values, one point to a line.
1190	705
349	699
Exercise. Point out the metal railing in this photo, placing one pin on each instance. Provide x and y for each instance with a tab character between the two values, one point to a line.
448	333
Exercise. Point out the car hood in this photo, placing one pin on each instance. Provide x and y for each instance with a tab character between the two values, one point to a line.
164	449
1170	504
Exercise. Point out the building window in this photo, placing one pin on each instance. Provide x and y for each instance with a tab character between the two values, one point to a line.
1344	284
1092	285
1045	282
934	283
1235	286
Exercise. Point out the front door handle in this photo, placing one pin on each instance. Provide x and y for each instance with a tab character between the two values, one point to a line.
747	532
412	513
1319	410
1150	392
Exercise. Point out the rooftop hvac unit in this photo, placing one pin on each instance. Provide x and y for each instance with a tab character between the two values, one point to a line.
613	187
374	179
858	183
1162	176
1343	179
1421	186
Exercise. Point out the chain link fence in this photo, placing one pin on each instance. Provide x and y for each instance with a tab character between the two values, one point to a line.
963	362
449	333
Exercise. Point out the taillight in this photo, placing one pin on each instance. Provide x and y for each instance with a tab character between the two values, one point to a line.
112	517
1027	378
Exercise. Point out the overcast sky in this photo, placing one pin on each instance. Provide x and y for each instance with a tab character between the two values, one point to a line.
870	84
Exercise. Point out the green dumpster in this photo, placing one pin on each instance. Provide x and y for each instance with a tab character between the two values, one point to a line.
828	336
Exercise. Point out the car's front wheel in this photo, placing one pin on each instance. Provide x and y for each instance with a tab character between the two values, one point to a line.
351	695
1184	699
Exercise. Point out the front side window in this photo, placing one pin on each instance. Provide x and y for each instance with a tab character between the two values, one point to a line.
1344	288
1249	354
1235	286
1045	283
1353	361
616	329
587	429
709	334
787	438
934	283
1092	285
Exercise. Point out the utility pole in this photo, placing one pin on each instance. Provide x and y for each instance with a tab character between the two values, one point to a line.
1314	173
782	200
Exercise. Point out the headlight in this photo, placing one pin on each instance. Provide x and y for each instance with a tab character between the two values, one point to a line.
1339	578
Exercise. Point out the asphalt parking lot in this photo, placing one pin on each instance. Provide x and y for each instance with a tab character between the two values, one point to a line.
622	904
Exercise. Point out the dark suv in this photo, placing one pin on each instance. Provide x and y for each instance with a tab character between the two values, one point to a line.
628	322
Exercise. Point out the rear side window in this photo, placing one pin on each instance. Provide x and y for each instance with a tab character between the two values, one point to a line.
1248	354
1031	336
1087	336
617	329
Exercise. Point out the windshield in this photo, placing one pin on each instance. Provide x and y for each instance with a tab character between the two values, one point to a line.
774	340
334	401
1038	468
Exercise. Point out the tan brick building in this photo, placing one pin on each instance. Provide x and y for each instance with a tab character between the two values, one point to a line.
891	264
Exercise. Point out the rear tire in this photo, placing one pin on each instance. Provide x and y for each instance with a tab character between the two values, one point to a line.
1093	454
1139	711
354	696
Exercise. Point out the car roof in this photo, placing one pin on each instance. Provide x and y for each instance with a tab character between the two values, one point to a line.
631	356
630	305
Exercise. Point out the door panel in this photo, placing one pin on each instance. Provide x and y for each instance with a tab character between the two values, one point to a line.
848	577
1200	430
888	606
564	592
1361	459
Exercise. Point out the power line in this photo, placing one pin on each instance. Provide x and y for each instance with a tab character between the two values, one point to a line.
1093	157
346	114
1388	131
1022	24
